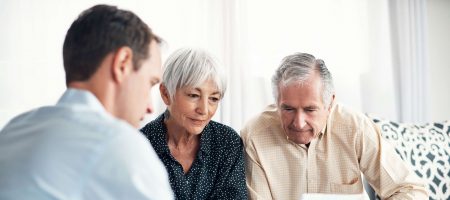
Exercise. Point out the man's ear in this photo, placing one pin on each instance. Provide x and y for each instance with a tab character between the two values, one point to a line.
164	94
122	64
331	102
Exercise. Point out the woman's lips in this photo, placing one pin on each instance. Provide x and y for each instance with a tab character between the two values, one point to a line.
198	121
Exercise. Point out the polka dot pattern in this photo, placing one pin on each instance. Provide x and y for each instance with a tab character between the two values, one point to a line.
218	168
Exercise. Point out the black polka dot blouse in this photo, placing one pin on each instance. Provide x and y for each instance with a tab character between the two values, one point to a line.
218	168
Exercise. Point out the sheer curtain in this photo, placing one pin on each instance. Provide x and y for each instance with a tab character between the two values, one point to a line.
250	37
374	48
409	50
353	37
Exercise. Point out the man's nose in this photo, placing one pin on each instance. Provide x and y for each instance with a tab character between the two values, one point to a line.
299	121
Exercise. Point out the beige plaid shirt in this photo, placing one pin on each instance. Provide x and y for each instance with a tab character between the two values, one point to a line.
277	168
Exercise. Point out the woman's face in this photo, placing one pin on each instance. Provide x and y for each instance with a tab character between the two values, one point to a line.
191	109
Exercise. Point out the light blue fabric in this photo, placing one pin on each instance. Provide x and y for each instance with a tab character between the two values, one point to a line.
77	150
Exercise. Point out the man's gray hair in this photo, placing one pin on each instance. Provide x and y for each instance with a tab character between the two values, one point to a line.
192	67
298	68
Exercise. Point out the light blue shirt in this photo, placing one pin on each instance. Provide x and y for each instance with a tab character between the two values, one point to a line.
77	150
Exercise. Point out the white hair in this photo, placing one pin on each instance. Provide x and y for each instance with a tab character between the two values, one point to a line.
297	68
189	67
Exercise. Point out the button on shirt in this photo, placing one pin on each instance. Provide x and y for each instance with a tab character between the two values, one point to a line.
277	168
76	150
218	168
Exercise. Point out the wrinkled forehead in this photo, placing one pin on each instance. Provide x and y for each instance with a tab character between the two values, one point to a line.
310	88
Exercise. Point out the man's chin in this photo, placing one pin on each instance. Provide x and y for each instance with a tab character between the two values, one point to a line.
301	140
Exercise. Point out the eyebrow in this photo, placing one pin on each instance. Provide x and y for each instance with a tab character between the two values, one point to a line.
198	89
285	106
307	107
312	107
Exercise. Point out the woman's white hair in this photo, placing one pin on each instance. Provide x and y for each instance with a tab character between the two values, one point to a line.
189	67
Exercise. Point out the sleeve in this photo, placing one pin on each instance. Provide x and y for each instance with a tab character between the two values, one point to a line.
128	168
385	171
257	183
233	174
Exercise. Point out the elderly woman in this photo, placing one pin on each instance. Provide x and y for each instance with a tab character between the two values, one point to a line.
204	158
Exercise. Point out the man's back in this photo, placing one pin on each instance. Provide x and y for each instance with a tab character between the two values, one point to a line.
76	150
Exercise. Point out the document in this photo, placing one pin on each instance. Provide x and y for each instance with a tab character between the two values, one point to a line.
320	196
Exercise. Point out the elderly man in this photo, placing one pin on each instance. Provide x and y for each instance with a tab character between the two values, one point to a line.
87	146
308	144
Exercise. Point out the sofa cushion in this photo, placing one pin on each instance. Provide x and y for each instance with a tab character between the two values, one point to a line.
427	148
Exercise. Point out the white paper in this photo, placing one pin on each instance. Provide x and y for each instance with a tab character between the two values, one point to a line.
320	196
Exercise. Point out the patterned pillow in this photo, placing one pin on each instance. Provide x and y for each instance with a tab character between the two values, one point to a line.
427	148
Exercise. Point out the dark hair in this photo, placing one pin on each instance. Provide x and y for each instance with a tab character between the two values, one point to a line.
98	31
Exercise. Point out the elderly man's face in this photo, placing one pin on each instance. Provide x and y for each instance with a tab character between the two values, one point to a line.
302	112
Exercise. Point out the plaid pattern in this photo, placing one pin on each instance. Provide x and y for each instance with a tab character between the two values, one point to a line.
276	168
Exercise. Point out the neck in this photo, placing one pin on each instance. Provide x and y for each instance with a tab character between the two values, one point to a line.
179	137
100	90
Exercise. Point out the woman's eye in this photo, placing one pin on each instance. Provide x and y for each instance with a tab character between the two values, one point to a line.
214	99
193	95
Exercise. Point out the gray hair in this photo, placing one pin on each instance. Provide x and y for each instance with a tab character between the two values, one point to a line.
298	68
192	67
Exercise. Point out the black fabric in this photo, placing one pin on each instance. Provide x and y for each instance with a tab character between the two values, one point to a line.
218	169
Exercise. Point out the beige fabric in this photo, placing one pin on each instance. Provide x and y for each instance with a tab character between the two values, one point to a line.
277	168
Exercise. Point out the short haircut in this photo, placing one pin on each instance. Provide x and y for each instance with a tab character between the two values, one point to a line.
192	67
98	31
298	68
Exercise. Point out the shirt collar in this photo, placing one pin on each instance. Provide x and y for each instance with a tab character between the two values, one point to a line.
329	121
161	136
80	97
205	139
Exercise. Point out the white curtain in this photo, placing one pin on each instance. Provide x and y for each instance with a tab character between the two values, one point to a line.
234	51
351	36
409	50
250	37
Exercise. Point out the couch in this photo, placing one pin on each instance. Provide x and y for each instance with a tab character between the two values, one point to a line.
426	148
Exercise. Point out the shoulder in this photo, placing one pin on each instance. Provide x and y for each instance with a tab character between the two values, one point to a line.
154	127
24	118
113	134
155	132
264	122
342	117
129	162
74	122
222	133
129	146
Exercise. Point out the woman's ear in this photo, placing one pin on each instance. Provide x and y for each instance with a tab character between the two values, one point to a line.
122	64
164	94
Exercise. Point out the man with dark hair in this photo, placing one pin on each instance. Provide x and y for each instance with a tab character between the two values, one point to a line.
87	146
